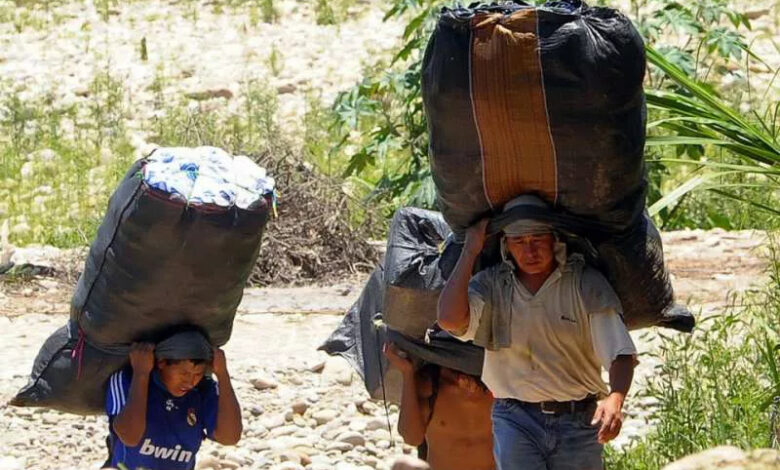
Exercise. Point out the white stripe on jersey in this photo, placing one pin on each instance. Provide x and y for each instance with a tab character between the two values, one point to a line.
112	387
121	385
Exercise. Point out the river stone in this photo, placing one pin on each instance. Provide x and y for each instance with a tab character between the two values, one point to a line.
354	438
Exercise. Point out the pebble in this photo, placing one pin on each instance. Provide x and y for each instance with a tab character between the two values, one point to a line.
264	383
324	416
354	438
300	407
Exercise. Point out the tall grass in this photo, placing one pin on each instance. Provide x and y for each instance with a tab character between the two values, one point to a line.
58	163
251	129
714	387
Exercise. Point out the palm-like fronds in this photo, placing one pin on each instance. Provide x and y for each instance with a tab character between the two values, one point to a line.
696	116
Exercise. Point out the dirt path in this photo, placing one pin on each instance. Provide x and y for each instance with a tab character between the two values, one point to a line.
275	338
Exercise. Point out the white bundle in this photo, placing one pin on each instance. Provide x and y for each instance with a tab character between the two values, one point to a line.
207	175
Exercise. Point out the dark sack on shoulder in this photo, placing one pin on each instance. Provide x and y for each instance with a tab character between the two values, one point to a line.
413	278
156	263
549	100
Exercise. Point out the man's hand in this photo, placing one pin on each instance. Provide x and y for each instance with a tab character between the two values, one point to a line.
142	358
219	362
610	414
393	354
475	237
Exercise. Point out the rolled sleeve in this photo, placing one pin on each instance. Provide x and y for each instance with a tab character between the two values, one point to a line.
610	337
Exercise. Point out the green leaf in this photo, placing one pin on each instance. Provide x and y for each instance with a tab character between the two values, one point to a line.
686	187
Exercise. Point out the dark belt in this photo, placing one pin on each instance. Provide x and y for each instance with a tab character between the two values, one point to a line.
563	407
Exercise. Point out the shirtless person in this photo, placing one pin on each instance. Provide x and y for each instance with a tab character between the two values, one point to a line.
447	412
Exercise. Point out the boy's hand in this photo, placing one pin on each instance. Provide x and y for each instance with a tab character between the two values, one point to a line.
219	362
142	357
393	355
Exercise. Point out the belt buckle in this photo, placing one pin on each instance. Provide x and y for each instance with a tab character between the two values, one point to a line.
545	411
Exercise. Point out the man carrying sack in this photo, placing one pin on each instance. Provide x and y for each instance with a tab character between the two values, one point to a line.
162	407
548	323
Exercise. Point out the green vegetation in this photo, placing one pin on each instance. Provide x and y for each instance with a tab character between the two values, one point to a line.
268	11
252	129
332	12
60	164
714	387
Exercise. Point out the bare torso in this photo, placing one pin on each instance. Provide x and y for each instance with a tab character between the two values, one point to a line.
459	432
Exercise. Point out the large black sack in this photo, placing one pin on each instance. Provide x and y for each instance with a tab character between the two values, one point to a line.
69	375
549	100
362	332
155	264
413	277
544	99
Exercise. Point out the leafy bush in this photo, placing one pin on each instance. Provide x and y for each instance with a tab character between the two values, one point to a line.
714	387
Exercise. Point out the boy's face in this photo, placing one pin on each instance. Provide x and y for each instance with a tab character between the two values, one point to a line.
180	377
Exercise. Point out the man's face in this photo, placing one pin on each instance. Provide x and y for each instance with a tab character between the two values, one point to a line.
534	254
180	377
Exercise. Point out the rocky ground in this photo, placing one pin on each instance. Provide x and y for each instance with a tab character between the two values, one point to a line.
193	49
301	408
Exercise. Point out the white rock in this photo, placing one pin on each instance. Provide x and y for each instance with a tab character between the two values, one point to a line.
339	446
338	371
12	463
324	416
207	462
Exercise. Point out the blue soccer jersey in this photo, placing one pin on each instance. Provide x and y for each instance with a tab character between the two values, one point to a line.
175	426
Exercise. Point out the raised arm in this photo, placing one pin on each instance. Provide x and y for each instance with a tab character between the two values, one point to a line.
229	427
130	424
453	308
413	417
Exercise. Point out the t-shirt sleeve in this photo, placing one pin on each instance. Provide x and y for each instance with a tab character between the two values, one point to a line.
117	392
610	337
478	295
608	330
210	408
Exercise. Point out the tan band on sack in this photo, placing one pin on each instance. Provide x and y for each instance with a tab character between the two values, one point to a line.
507	93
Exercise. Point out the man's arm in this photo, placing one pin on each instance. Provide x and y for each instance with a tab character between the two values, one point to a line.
412	420
130	424
453	308
610	410
229	427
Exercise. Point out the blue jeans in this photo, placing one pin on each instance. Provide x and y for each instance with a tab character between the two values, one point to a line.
524	438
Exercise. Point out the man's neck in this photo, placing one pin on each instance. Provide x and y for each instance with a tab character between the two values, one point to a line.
534	282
